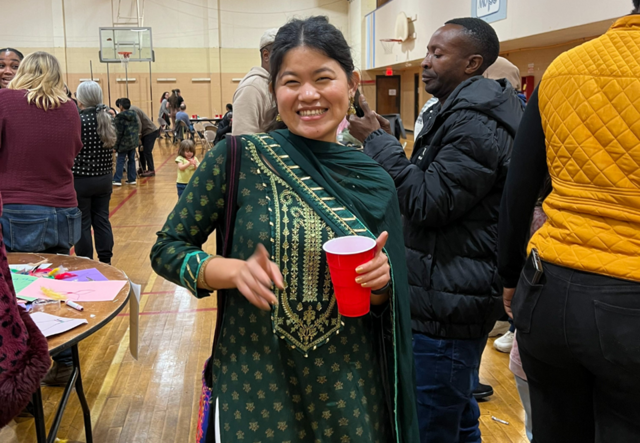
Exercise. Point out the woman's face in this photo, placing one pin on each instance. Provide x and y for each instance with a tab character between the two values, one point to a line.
166	95
312	92
9	63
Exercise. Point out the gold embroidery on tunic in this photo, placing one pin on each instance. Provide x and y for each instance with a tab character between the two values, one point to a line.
306	314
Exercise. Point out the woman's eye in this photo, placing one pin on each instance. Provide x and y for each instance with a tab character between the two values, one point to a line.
324	78
290	82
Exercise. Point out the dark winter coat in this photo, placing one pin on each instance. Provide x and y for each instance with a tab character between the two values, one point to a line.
449	195
128	129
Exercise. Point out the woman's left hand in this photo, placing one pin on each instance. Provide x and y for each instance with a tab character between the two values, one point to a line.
376	274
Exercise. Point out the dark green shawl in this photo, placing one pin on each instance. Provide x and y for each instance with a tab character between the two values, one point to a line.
363	187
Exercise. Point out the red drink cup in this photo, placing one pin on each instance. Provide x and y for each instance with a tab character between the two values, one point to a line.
344	255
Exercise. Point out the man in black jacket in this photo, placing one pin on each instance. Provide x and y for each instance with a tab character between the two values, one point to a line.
449	195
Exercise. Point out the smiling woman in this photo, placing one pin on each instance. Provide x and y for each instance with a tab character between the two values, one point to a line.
313	79
9	63
330	377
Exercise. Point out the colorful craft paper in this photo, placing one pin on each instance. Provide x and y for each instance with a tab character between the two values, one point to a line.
21	281
91	274
76	291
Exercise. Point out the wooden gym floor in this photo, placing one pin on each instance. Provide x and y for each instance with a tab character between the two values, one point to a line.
155	399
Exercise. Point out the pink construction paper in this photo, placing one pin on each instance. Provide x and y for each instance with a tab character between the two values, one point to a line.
76	291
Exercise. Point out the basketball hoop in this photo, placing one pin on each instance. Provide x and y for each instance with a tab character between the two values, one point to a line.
388	43
124	57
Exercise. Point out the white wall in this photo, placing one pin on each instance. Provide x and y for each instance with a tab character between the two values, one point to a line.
524	19
175	23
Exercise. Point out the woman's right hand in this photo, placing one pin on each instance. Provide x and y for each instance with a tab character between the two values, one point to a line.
255	277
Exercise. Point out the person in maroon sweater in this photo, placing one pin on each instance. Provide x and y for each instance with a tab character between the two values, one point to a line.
39	139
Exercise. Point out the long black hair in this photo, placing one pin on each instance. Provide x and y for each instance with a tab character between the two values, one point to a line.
316	33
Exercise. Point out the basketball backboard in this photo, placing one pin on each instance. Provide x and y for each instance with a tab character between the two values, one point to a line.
137	41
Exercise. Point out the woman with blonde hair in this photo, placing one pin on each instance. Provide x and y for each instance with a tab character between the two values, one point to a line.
92	172
39	139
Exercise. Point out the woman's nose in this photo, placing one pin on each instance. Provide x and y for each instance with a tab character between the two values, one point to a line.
308	92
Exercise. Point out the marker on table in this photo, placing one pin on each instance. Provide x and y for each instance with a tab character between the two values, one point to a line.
74	305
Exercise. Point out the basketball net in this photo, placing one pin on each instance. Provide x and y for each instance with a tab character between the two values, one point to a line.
388	44
124	58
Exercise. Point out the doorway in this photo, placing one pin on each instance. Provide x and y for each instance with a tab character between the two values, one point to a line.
388	94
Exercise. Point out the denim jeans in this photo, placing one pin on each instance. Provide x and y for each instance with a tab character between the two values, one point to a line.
181	187
446	376
33	228
129	156
578	336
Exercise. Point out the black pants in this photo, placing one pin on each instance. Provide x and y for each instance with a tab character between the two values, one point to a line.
146	156
221	133
93	195
579	339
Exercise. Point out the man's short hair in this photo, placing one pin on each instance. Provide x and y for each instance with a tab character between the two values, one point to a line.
183	106
482	37
117	103
124	102
636	4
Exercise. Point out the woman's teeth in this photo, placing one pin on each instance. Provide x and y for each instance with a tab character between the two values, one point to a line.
312	112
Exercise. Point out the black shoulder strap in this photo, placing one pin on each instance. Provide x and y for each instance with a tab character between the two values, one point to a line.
232	170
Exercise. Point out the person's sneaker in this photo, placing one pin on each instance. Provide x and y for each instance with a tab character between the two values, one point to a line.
131	183
149	174
499	328
58	375
117	184
504	343
482	391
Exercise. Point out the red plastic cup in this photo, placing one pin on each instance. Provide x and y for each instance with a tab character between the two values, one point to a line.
194	116
344	255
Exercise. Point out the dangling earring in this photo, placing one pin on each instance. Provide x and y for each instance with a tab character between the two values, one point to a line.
352	108
278	118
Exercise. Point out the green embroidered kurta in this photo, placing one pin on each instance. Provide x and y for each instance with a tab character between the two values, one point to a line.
300	373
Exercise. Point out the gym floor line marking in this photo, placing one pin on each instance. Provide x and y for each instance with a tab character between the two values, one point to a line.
185	311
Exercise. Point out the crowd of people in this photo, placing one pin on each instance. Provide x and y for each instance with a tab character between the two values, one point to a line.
528	210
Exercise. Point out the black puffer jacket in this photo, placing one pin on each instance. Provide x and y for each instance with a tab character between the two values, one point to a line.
450	198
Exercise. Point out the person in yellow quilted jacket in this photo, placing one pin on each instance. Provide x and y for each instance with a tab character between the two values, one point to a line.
574	293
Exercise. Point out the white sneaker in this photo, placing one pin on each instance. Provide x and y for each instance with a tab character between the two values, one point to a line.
504	343
131	183
499	328
117	184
